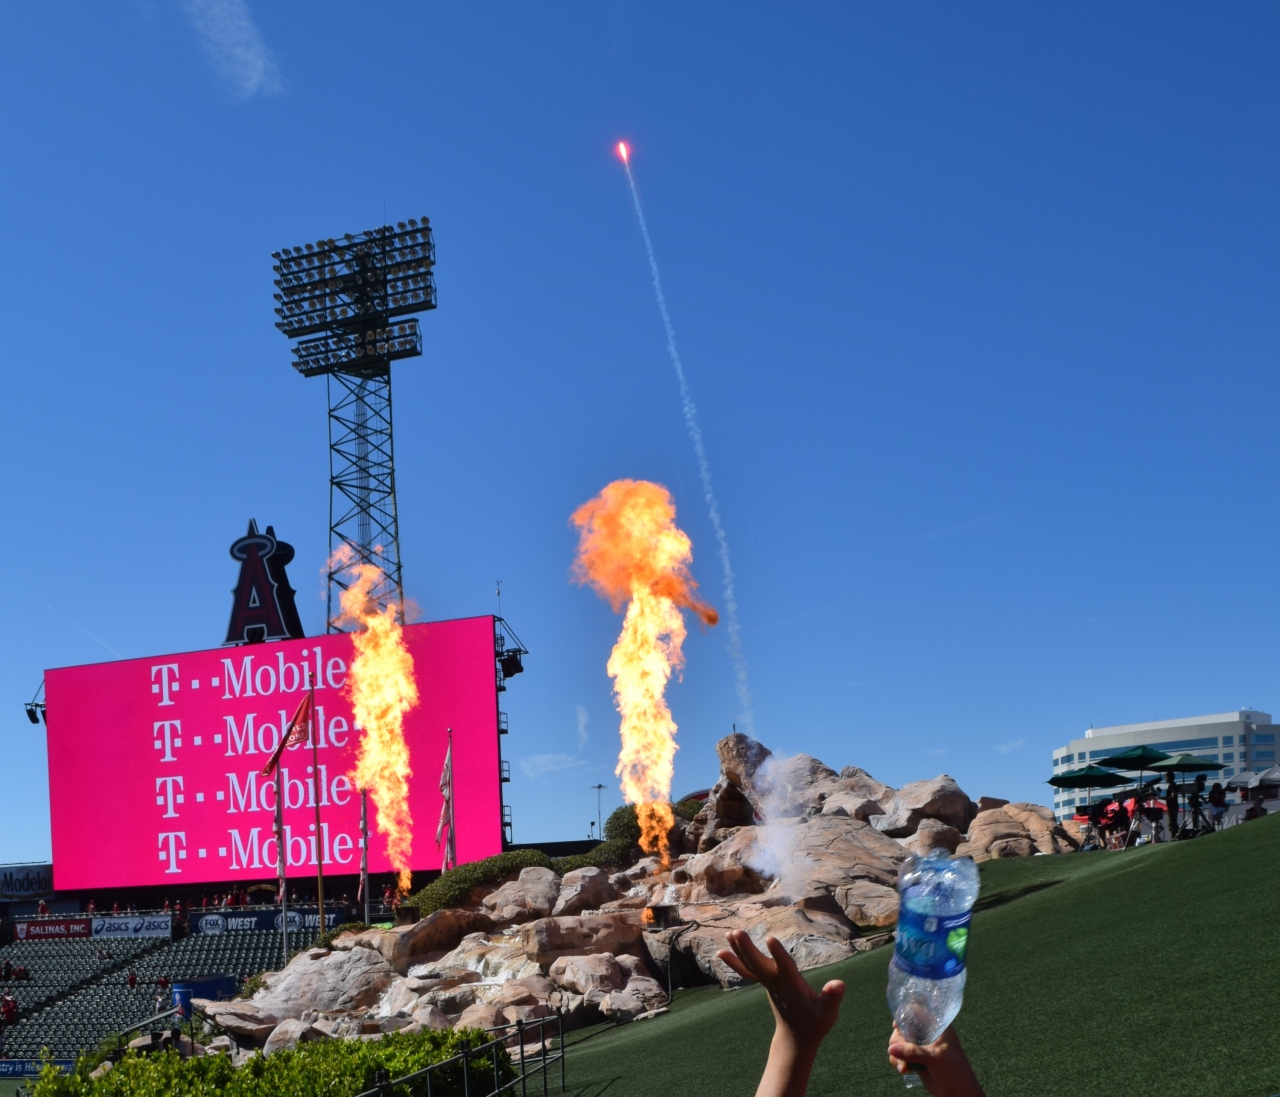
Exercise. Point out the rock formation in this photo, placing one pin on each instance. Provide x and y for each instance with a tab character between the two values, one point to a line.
782	846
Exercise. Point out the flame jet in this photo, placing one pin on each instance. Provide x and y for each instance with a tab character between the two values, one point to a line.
630	551
382	689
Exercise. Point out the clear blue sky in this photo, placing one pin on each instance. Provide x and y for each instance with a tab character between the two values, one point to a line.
978	304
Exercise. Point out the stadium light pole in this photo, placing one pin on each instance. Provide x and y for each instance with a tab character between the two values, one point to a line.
599	822
349	303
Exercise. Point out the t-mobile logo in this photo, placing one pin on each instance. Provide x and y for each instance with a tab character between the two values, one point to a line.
168	681
168	793
166	735
169	848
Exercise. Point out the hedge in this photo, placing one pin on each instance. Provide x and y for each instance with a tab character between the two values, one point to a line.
337	1068
452	888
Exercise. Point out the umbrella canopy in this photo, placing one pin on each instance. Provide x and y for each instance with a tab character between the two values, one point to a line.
1135	758
1089	777
1187	763
1266	777
1241	780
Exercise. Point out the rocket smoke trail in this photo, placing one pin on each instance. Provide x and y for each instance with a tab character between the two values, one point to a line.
733	627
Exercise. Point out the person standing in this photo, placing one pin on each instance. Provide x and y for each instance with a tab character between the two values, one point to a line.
1171	806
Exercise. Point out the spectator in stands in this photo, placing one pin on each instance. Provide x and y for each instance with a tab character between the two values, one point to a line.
91	908
204	901
115	908
165	909
9	1009
133	980
42	907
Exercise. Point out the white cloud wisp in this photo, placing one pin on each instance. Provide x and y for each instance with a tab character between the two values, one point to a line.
235	45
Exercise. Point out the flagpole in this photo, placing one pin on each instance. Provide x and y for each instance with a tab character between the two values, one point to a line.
316	791
453	844
282	862
364	856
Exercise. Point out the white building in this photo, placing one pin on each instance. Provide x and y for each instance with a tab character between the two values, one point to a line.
1242	740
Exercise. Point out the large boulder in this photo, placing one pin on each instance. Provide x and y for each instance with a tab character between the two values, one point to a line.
729	868
584	974
289	1033
740	757
437	932
868	904
531	895
933	834
491	957
854	804
650	992
400	997
996	833
793	787
246	1021
938	798
584	889
430	1016
547	939
325	980
481	1016
1042	825
861	783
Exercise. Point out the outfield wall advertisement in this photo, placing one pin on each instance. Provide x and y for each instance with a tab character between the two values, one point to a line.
154	764
216	923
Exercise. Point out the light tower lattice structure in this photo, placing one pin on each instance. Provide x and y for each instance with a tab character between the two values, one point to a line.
349	303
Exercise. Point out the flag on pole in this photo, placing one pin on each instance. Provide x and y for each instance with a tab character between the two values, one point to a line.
295	734
446	792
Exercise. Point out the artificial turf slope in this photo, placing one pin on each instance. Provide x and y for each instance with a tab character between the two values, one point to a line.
1152	971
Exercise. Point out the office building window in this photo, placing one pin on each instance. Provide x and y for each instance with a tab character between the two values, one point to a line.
1269	737
1268	756
1228	756
1226	740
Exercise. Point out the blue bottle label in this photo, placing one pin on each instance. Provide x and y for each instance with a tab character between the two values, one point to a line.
931	946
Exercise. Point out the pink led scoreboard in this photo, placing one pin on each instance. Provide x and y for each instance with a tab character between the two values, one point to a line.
154	763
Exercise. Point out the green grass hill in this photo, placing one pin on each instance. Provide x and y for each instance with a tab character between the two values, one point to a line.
1151	971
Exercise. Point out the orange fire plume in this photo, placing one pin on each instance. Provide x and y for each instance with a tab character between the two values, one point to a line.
631	552
382	689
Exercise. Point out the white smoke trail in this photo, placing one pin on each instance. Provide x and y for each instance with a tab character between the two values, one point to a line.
732	625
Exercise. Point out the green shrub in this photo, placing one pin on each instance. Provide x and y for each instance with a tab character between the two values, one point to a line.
452	888
688	809
609	856
252	985
623	826
326	939
338	1068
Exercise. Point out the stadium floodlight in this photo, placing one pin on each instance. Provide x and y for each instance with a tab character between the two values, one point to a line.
349	304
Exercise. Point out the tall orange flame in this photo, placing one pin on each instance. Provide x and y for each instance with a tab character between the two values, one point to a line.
631	551
382	689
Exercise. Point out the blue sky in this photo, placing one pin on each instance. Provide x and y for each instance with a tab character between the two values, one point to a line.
978	306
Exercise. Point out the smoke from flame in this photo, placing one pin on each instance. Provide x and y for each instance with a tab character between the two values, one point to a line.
382	689
631	552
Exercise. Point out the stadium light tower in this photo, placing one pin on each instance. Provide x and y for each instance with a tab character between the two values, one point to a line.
349	303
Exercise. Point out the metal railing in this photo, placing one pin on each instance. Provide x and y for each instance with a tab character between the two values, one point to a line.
524	1066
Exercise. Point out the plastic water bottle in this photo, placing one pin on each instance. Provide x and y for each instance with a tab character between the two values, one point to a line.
927	974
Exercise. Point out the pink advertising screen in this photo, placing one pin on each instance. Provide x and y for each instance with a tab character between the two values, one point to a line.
154	764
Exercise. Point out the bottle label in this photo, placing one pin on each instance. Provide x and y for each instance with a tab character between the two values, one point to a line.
931	946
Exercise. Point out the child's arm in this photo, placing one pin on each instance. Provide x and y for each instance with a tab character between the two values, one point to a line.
802	1016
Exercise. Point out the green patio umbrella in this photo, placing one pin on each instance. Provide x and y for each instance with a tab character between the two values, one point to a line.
1187	763
1139	758
1089	777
